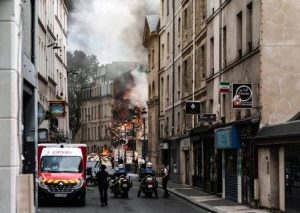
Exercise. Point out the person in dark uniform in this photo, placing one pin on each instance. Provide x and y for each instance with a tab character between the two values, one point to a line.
102	178
165	178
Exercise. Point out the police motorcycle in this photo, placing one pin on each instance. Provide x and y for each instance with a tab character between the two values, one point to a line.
121	184
148	181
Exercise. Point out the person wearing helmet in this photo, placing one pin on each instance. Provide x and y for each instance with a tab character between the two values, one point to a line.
102	178
146	172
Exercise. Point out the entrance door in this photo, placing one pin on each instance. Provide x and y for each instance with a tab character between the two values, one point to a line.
292	178
231	175
187	167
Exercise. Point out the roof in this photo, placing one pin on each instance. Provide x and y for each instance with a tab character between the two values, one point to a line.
153	23
290	128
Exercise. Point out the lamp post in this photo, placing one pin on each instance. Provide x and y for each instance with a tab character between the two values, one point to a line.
144	115
125	154
133	120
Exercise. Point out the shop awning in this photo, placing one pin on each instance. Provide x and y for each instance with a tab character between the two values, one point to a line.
287	129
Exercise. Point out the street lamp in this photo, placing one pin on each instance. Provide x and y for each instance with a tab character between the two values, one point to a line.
125	156
144	115
133	120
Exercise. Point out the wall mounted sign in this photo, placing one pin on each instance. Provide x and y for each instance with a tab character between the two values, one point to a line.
224	86
208	117
242	96
57	108
192	107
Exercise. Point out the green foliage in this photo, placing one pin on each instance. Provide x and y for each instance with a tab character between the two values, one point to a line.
82	70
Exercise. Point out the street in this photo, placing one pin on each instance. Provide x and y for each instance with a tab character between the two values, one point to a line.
133	204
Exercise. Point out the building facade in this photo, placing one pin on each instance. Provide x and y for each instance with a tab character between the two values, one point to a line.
51	63
151	42
238	59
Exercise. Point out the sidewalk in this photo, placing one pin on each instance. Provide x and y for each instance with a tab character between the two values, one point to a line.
207	201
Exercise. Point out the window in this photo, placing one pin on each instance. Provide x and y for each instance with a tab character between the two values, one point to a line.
185	74
212	56
168	87
153	58
168	7
162	8
224	46
179	27
178	123
211	105
239	35
203	61
168	44
179	76
249	26
163	54
185	18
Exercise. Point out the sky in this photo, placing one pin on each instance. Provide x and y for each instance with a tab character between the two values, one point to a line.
110	29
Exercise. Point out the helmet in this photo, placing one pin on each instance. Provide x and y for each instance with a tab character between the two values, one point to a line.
149	165
121	166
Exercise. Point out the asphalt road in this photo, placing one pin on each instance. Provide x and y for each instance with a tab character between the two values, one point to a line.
133	204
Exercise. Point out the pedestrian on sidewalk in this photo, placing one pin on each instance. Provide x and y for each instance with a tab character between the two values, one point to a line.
102	178
165	179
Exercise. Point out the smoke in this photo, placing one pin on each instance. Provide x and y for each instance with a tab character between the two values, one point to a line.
139	93
110	29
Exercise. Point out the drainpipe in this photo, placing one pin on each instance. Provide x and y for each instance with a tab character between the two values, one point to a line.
173	73
194	57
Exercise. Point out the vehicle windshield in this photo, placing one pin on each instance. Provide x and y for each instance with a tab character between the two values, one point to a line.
59	164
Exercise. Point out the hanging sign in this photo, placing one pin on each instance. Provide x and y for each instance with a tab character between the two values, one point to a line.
242	96
192	107
57	108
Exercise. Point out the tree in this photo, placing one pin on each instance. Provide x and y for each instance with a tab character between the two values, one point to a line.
82	71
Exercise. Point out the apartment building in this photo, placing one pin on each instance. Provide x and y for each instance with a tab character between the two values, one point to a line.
51	63
238	59
152	42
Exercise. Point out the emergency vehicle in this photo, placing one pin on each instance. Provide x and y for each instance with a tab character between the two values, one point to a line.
62	173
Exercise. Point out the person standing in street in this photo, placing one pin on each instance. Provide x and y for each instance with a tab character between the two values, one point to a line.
102	178
165	178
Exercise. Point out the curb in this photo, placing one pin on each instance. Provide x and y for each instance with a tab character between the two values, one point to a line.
203	206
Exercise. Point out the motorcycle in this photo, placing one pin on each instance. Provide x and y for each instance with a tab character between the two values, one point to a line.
149	186
120	186
90	177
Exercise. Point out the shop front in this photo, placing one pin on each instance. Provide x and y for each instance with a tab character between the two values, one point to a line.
204	158
228	142
279	166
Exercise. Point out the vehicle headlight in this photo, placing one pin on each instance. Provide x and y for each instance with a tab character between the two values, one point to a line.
79	184
42	183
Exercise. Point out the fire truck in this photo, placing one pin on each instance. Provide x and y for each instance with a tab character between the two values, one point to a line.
62	173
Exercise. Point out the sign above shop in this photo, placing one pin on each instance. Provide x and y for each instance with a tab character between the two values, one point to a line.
57	108
163	146
242	96
227	138
192	107
207	117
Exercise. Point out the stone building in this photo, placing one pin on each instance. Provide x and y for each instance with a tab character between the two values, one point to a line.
249	144
98	105
51	64
151	42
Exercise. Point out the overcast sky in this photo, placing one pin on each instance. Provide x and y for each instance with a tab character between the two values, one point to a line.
110	29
